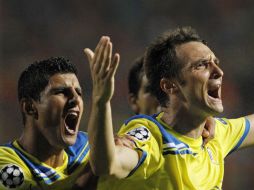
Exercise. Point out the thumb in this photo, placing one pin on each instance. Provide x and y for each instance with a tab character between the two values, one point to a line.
89	53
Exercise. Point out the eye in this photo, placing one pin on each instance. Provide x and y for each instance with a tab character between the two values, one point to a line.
79	91
60	92
201	65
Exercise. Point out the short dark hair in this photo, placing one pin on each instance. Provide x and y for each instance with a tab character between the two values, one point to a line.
135	76
35	77
161	61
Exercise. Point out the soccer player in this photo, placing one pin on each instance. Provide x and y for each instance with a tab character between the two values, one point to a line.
186	78
142	101
140	98
51	153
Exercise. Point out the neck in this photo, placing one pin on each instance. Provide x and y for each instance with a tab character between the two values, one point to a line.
36	145
184	122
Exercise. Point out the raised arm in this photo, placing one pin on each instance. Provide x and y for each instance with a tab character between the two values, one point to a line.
106	158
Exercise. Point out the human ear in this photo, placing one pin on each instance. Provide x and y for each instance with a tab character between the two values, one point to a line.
28	107
132	99
168	86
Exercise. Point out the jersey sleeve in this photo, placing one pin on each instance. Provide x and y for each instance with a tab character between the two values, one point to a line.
13	173
231	133
147	139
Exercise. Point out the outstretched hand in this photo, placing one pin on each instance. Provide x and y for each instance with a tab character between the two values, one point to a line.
103	68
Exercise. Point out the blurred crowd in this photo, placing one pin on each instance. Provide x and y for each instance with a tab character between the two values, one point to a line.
34	30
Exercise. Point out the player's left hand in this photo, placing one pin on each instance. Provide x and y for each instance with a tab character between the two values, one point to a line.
209	130
103	69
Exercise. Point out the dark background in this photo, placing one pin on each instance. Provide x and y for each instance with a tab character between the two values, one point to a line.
34	30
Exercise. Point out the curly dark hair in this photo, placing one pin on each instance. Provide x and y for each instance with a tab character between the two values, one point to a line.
161	61
35	77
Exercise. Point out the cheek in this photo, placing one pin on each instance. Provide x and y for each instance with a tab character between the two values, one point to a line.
53	109
81	105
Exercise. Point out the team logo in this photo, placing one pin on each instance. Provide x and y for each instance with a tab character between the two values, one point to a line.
11	176
141	133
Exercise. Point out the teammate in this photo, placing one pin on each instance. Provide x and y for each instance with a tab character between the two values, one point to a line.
51	153
140	99
185	76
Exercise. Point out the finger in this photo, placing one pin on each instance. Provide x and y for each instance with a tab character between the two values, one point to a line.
109	60
99	45
206	137
114	65
205	141
89	54
210	126
98	62
205	133
129	144
128	141
106	59
118	142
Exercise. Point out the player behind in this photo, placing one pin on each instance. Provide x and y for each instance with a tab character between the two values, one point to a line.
140	98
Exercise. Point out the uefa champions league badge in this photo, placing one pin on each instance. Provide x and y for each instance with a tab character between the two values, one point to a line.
140	133
11	176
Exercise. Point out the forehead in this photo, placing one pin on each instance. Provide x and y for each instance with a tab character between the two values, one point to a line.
193	51
68	79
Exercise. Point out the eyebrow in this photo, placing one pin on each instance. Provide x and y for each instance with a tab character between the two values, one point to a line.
216	61
54	89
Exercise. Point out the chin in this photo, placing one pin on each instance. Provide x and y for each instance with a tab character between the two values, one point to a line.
216	110
70	141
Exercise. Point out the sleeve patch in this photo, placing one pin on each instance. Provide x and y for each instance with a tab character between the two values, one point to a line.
140	133
11	176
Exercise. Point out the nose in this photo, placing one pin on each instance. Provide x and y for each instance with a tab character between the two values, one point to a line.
216	71
74	98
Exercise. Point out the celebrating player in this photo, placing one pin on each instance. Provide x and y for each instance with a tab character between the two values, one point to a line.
51	153
185	76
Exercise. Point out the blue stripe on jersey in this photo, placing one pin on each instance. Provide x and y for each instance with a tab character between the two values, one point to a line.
77	152
246	131
167	137
40	172
187	151
141	160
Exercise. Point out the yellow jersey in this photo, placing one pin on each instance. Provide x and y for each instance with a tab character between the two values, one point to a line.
20	170
171	161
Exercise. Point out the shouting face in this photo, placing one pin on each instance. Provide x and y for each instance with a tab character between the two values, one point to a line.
60	109
201	78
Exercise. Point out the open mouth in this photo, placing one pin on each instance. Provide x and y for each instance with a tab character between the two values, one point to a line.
71	120
214	92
